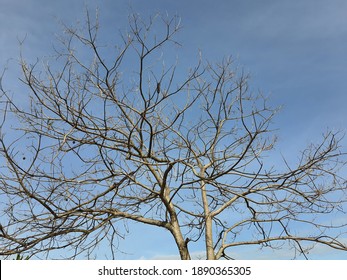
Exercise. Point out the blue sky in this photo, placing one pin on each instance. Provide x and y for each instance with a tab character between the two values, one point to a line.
295	51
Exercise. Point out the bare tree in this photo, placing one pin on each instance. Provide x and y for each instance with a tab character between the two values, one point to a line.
109	135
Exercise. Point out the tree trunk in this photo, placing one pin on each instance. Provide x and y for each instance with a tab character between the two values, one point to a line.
182	245
210	255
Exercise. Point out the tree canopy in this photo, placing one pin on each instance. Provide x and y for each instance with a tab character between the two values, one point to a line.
107	135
